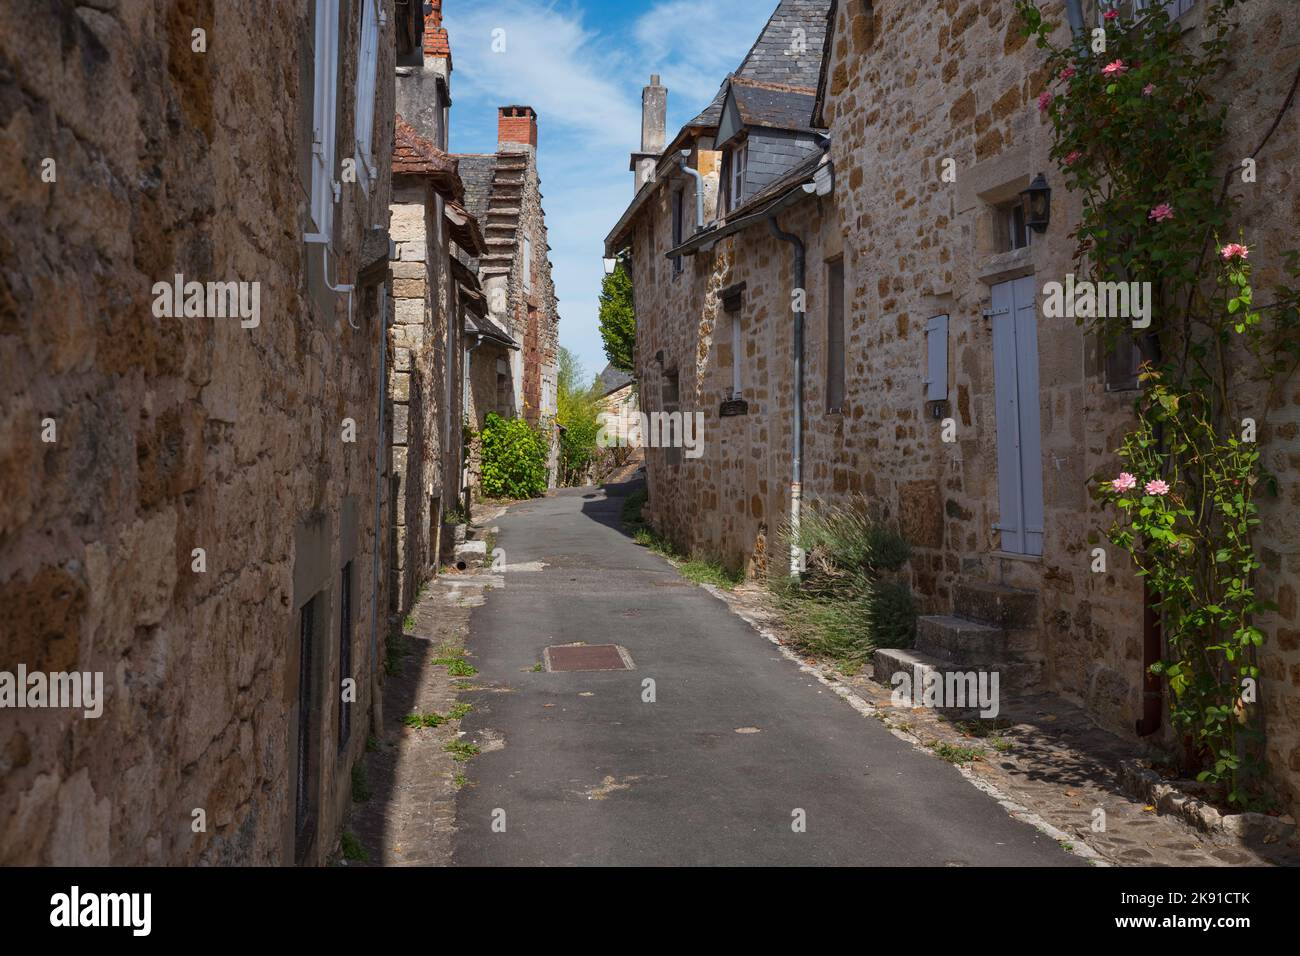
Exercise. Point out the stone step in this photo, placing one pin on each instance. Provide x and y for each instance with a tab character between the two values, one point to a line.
958	639
996	605
1012	676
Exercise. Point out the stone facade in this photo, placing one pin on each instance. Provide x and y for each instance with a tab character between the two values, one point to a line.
901	93
504	195
256	443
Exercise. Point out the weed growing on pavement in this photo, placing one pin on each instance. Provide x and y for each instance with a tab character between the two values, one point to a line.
460	780
395	652
955	754
459	711
462	749
360	786
696	568
352	848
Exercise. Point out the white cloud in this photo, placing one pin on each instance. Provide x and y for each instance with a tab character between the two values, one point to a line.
551	62
585	84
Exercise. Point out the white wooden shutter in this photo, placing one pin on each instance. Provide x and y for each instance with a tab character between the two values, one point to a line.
323	113
936	345
367	65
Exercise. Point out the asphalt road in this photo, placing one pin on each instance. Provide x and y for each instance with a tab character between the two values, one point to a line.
585	772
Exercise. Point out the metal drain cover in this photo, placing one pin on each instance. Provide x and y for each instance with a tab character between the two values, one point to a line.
587	657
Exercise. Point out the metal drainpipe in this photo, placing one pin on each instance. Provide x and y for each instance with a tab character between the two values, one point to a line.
464	403
1074	13
699	187
376	710
796	462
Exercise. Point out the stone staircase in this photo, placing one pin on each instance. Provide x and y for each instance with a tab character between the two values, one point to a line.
499	231
992	628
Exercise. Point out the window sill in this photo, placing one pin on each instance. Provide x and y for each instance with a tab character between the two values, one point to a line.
1014	556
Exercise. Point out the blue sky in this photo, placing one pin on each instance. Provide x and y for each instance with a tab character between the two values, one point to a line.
581	66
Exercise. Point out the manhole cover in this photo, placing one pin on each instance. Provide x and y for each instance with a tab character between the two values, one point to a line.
587	657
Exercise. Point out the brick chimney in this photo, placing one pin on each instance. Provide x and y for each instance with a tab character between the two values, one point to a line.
436	42
517	124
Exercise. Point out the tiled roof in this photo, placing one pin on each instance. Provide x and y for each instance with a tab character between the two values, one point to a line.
416	156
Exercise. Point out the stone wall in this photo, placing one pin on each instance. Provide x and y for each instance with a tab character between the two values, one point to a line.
175	434
915	247
918	247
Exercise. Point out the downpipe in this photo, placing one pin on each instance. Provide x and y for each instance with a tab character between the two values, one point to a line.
682	161
796	452
376	711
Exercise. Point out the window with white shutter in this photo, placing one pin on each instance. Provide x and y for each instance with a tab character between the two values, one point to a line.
367	67
323	118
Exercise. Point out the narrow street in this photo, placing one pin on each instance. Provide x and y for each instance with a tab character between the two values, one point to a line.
710	773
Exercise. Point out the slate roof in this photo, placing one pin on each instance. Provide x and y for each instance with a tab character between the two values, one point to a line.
611	380
769	59
772	105
476	172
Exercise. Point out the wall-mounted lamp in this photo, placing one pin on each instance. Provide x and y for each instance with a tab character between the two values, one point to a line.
1037	203
610	265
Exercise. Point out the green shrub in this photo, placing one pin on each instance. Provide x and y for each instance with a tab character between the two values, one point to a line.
513	458
851	598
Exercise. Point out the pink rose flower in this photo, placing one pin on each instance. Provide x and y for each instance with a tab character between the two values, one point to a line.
1112	70
1157	487
1148	89
1067	73
1073	158
1161	213
1044	100
1125	482
1235	250
1111	14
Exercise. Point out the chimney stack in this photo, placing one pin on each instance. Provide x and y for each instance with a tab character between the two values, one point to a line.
516	124
436	42
654	122
654	116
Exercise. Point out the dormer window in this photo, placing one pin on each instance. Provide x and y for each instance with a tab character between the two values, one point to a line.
737	165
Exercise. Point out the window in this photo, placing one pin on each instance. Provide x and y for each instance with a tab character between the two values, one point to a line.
323	118
367	67
304	790
670	435
1012	232
835	336
1122	361
732	299
677	228
1174	8
738	165
345	654
936	348
528	263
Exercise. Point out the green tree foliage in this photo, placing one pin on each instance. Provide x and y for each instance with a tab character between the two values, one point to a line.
577	411
514	458
618	318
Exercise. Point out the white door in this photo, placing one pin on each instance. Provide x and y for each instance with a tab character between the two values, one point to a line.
1015	371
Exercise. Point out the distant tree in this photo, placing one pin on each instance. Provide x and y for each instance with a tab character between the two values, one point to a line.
577	409
618	319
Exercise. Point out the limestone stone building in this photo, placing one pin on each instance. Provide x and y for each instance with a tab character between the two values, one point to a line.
516	374
433	235
923	308
193	293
